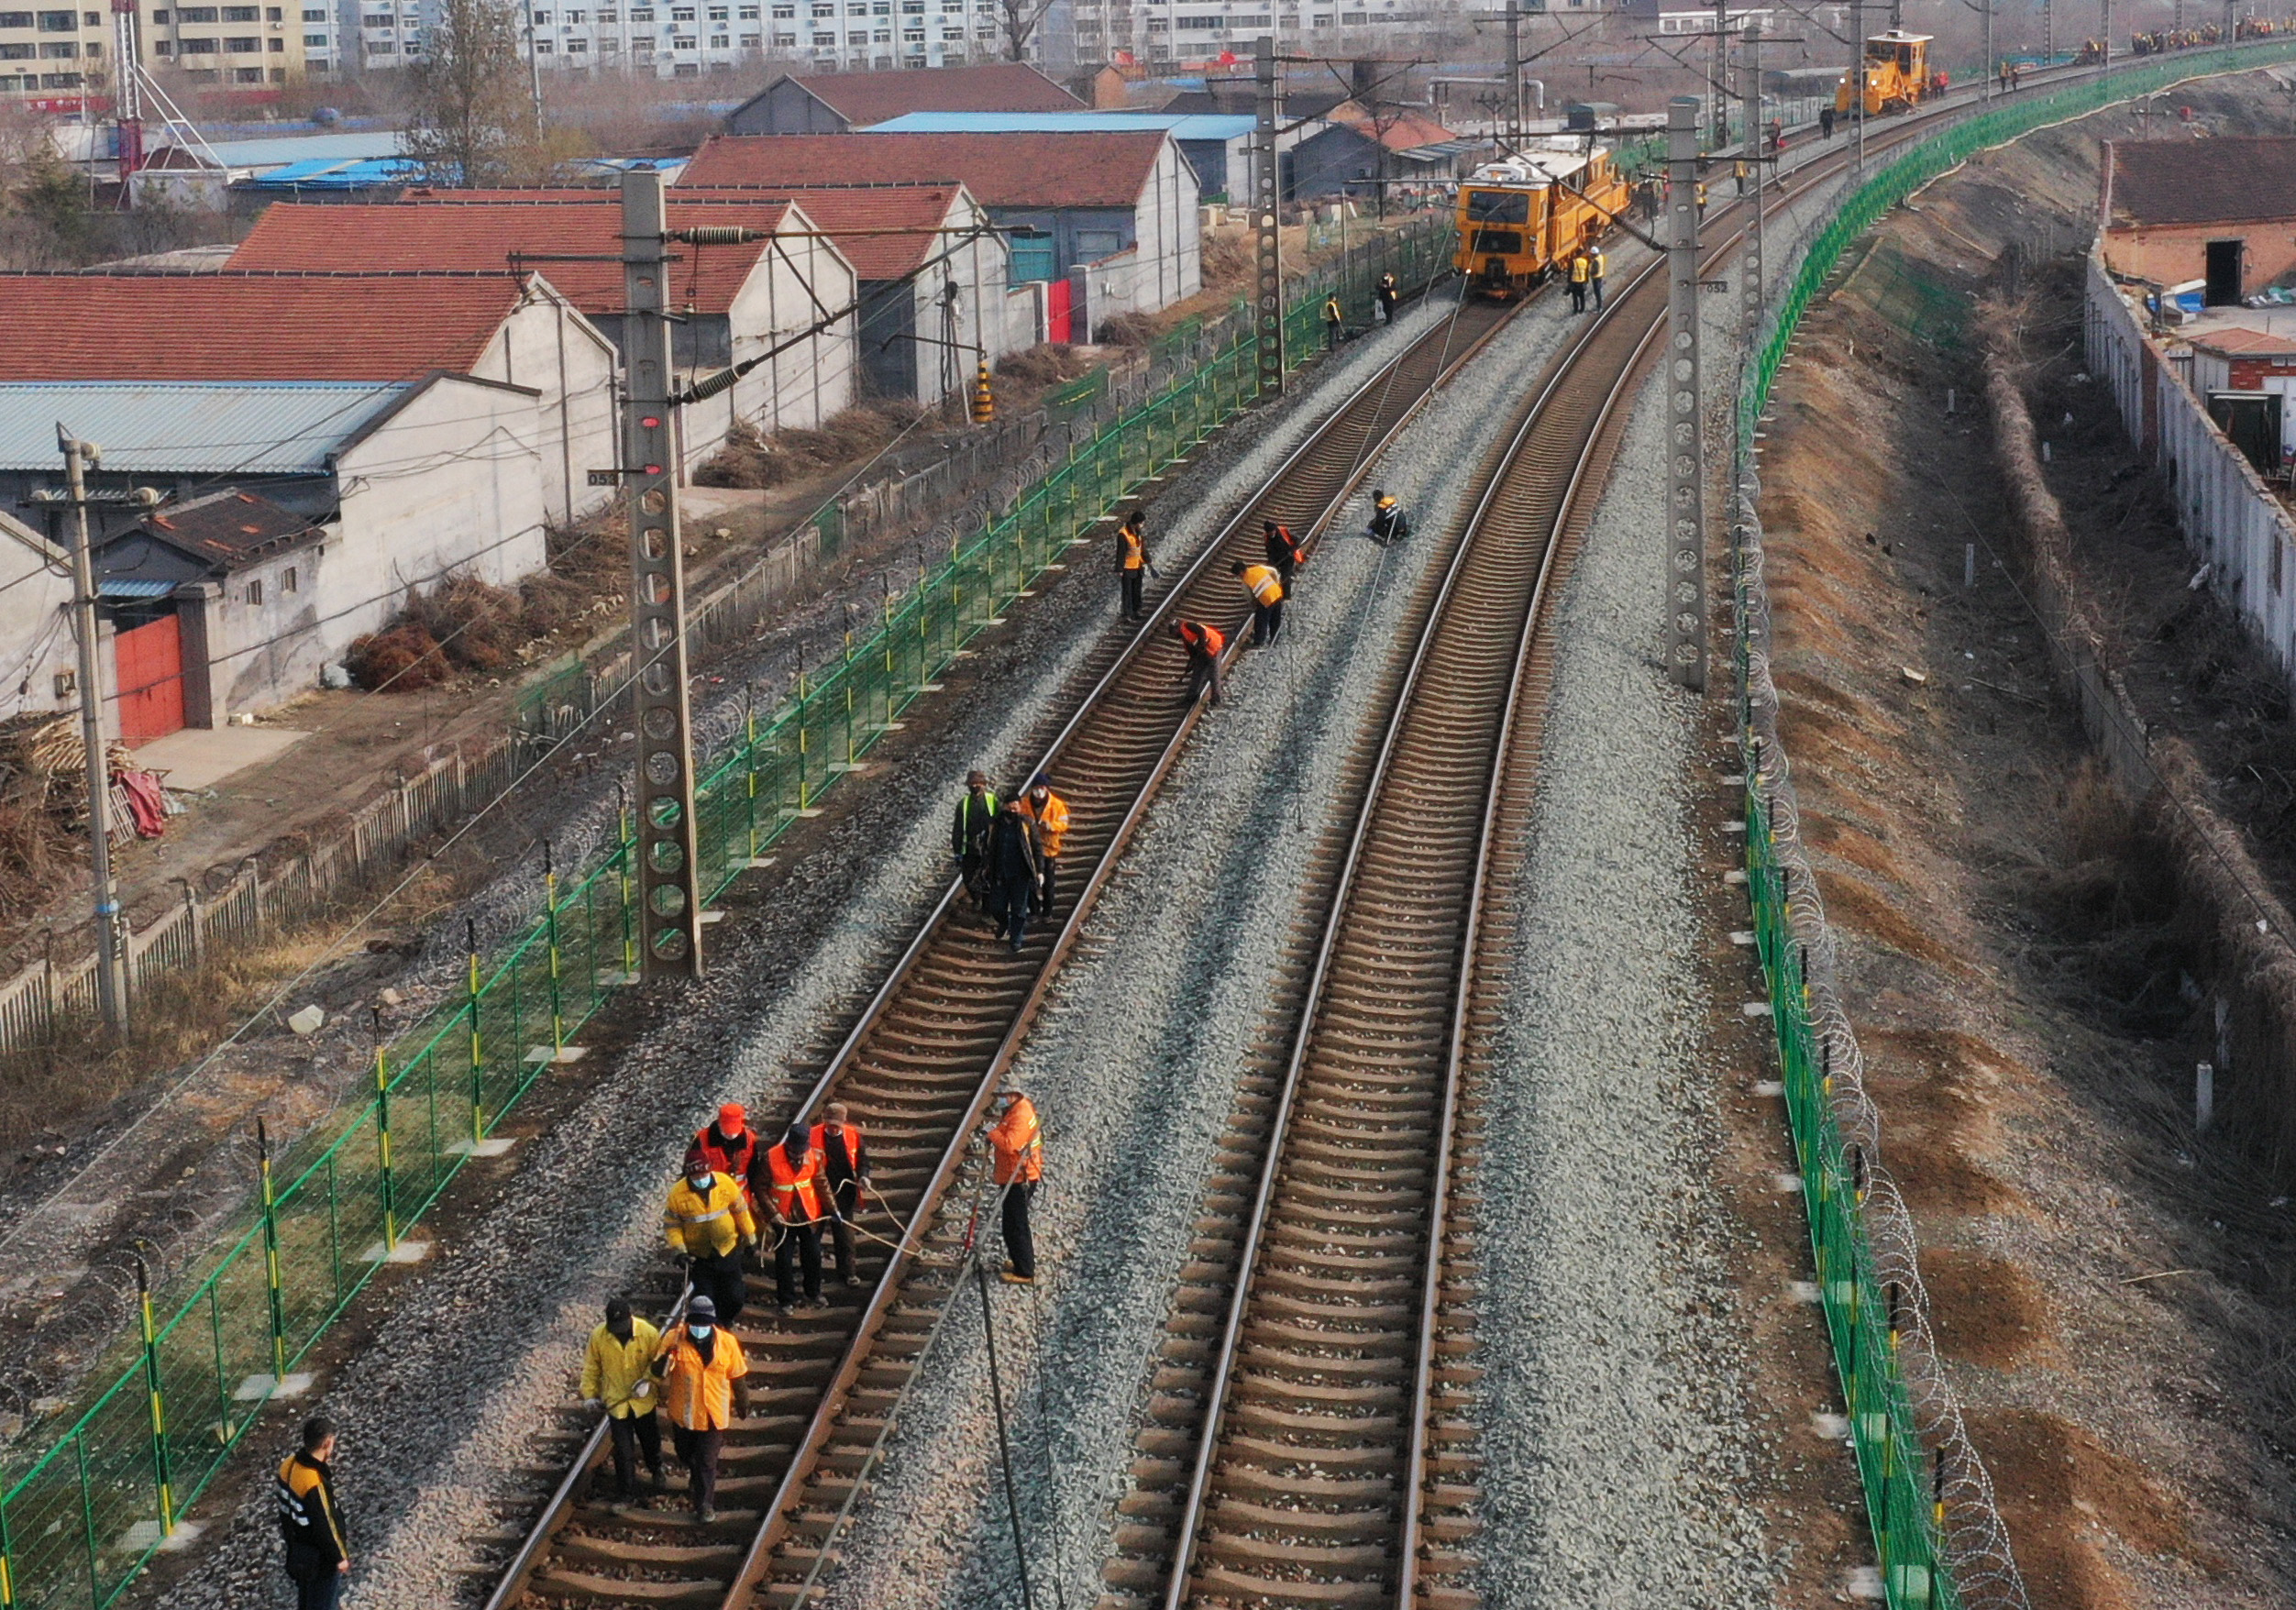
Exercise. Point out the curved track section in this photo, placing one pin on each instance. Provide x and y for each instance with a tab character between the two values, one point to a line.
918	1070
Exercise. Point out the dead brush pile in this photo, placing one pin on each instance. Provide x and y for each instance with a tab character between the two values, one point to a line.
36	849
464	624
755	461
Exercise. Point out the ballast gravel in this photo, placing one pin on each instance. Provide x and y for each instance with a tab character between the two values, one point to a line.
479	1349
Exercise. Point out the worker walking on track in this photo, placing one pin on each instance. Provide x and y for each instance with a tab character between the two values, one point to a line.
1049	811
1737	173
708	1221
968	836
1283	549
1578	282
845	1166
1267	588
1014	872
704	1385
1389	524
1019	1143
618	1377
1387	295
1203	643
311	1522
1335	321
728	1144
1594	273
1132	564
796	1202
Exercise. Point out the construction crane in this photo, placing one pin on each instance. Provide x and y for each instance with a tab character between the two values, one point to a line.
128	97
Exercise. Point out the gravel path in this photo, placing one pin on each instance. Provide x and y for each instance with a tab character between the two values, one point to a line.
487	1339
1134	1066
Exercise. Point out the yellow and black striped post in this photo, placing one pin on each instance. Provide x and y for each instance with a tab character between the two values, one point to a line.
984	396
382	1140
159	1407
271	1255
478	1050
550	923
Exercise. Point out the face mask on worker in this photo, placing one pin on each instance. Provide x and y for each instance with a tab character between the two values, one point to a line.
700	1182
699	1332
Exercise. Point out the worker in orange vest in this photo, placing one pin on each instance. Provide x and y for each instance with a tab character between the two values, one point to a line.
793	1196
704	1385
1203	643
1019	1143
1050	812
846	1167
1132	562
1267	588
728	1144
1283	549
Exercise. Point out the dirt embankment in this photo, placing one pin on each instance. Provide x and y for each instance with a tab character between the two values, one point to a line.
2104	1282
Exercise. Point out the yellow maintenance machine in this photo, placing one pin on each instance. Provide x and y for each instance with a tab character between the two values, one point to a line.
1896	74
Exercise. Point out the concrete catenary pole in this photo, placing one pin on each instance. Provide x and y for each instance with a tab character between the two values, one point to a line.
1857	83
1514	75
111	974
1685	490
1751	289
669	904
1267	322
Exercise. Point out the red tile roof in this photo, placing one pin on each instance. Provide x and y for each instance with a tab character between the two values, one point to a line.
863	98
884	230
2157	181
2237	343
231	327
1094	169
451	230
1397	129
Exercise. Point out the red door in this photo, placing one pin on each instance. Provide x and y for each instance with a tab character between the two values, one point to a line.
1056	293
148	662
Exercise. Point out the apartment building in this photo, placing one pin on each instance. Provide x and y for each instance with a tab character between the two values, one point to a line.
1084	33
323	42
381	33
54	55
236	47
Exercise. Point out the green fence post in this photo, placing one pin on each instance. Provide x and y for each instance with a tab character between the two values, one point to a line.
159	1406
804	740
848	699
87	1519
7	1559
621	855
271	1255
885	635
750	762
477	1054
550	925
382	1141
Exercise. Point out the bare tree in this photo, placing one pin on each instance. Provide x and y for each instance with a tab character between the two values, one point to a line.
1017	20
469	120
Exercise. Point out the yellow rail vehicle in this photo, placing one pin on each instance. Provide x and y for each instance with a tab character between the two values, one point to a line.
1895	74
1521	218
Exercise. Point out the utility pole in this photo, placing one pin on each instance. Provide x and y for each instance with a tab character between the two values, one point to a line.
534	70
2104	41
2049	33
1750	269
1514	75
1717	75
1992	65
111	974
1267	322
670	902
1857	84
1686	538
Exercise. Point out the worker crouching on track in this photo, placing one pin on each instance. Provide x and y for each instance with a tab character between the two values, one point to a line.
1283	549
1389	524
845	1165
704	1385
1049	811
1203	643
968	836
796	1201
1267	588
1015	872
618	1377
708	1221
310	1523
1019	1142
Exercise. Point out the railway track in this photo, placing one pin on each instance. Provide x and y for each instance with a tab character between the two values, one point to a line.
918	1069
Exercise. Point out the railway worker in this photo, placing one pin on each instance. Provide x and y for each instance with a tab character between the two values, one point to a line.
1578	282
1019	1142
1049	811
1702	198
795	1197
704	1385
728	1144
1283	549
1132	564
1777	136
1594	265
708	1221
1737	174
1389	524
311	1522
618	1377
1203	643
1824	123
1014	872
968	836
845	1165
1267	588
1388	296
1335	321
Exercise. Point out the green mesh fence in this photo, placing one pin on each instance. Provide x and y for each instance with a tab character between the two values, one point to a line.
86	1511
1936	1534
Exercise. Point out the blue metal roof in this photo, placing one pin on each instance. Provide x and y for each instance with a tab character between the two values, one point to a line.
1199	126
364	174
188	427
263	155
132	587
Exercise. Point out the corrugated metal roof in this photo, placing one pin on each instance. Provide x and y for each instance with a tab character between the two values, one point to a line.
187	427
263	155
129	587
339	175
1180	125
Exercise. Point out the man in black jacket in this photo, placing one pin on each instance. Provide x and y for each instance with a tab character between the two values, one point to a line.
1014	872
318	1557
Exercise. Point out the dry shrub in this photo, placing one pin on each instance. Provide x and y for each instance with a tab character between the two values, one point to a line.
479	627
549	600
1128	329
1227	258
1045	364
402	658
753	460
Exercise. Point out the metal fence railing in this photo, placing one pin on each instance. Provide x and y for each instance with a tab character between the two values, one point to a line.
1936	1532
82	1510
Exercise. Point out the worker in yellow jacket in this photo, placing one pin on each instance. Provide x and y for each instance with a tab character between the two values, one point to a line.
705	1386
618	1377
1267	588
708	1219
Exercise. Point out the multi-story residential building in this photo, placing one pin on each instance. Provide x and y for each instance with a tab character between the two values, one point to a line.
1085	33
54	55
236	47
323	40
684	38
376	34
